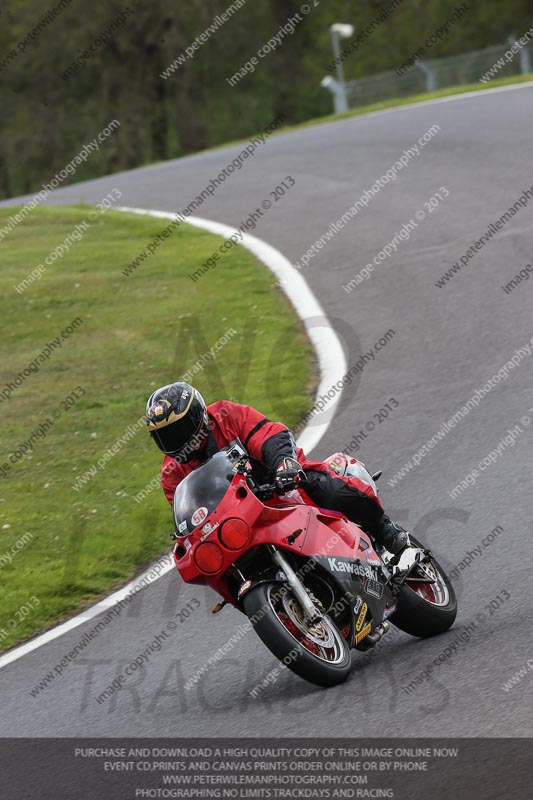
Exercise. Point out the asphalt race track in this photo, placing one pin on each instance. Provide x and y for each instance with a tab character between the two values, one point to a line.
447	343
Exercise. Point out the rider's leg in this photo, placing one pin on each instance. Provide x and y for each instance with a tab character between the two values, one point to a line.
358	501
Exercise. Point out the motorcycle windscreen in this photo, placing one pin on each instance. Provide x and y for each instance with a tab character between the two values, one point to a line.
201	492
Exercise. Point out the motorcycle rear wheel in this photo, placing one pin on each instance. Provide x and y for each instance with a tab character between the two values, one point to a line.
426	609
317	653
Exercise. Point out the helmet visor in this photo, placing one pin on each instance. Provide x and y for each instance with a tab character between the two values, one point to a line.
182	437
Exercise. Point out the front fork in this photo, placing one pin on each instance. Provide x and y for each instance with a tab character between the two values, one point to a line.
312	612
300	592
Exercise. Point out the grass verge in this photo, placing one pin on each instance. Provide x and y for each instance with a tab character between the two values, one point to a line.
116	339
395	102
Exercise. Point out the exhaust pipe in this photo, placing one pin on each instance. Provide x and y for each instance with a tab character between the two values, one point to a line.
379	633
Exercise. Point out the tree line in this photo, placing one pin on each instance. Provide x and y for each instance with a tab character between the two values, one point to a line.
164	70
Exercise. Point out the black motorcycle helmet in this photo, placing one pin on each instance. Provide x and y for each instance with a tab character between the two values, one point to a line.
176	417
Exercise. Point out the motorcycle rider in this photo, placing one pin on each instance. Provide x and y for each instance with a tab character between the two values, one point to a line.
188	432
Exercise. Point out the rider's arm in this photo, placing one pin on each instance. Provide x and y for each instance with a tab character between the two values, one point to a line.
171	474
266	441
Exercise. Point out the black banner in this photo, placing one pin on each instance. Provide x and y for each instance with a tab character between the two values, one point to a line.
127	769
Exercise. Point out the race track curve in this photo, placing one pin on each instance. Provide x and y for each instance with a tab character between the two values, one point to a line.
447	343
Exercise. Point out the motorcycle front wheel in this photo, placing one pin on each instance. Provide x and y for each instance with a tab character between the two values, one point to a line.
317	652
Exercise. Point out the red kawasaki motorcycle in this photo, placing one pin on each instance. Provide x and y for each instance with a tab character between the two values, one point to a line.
311	582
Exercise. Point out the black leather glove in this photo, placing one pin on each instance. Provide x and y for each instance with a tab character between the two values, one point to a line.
288	475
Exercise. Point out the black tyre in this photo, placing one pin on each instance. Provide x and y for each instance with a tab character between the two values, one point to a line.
426	609
318	653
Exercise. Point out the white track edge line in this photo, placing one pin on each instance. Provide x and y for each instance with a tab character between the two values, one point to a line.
332	366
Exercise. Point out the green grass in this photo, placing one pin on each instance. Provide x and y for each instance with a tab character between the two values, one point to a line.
137	333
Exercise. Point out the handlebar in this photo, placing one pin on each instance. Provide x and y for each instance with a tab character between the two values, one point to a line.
263	491
266	491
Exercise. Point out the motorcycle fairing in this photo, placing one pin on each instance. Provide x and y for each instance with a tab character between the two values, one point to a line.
356	578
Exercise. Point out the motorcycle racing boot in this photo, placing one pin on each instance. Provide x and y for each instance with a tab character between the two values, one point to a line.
391	536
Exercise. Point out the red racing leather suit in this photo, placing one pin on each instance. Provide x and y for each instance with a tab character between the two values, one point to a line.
268	443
